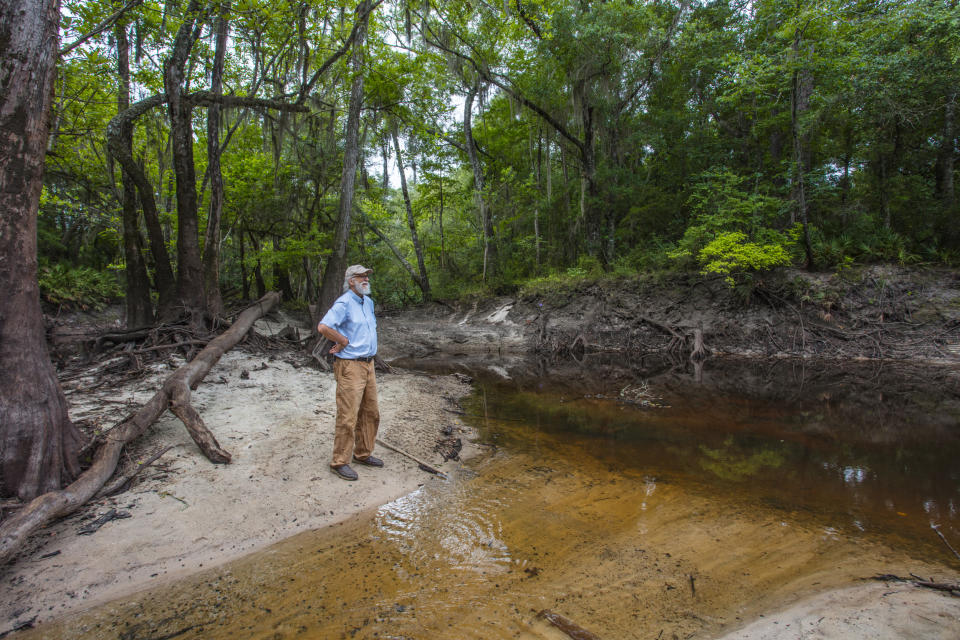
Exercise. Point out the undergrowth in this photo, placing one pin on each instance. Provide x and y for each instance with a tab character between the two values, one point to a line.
78	287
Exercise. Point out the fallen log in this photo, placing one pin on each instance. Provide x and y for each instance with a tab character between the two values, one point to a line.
175	395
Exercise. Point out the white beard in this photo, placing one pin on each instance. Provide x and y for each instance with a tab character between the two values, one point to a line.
364	288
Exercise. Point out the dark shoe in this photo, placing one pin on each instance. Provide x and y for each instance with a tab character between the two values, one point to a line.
345	472
370	461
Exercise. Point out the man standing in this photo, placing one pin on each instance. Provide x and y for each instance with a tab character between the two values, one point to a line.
352	328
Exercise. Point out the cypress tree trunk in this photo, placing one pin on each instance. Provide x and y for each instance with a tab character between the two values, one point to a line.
38	442
189	264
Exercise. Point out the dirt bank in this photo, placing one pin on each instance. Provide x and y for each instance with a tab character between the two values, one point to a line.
879	313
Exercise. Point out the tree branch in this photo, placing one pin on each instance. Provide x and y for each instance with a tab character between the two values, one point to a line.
336	55
100	28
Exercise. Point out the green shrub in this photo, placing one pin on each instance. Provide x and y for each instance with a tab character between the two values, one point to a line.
732	254
79	287
733	233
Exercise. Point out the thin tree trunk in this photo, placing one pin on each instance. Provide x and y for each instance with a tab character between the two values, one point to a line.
486	225
800	100
122	153
423	281
258	269
138	306
38	442
330	289
946	158
211	246
281	275
536	208
443	249
244	277
393	248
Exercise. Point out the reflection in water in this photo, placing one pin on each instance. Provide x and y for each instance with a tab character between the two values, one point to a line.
668	510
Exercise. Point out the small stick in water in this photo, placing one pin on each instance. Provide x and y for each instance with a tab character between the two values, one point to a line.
936	529
566	625
423	465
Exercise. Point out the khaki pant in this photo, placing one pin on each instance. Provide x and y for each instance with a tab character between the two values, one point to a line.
358	415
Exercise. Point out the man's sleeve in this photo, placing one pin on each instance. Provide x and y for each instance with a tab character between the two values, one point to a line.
334	315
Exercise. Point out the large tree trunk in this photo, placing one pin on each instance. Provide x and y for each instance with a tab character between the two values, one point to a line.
175	395
332	284
211	246
422	279
38	443
138	305
180	109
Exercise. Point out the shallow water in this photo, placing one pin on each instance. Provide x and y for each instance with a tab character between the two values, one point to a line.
646	501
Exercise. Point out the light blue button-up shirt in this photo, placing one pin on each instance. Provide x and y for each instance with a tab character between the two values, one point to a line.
352	315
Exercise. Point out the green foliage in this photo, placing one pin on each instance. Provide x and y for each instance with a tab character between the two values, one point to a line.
731	255
78	287
626	137
731	236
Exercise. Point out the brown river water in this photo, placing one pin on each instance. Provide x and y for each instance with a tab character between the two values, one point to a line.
644	501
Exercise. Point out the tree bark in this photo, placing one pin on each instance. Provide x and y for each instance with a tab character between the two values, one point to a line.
332	284
422	280
211	246
138	305
38	442
180	110
122	153
175	395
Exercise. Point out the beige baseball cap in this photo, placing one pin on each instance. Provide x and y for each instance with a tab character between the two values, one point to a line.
357	270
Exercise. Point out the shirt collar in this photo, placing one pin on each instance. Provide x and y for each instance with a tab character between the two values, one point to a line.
358	299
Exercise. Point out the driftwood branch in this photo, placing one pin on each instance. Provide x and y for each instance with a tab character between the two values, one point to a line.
175	395
426	467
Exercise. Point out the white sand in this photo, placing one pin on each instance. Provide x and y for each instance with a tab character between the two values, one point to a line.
278	425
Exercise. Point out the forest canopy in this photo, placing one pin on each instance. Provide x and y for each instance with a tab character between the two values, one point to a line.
198	147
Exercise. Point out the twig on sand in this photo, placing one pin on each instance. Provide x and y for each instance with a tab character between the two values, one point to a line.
426	467
121	483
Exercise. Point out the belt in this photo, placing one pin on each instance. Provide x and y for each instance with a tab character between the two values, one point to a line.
364	359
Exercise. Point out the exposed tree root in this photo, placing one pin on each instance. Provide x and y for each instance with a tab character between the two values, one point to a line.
175	395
